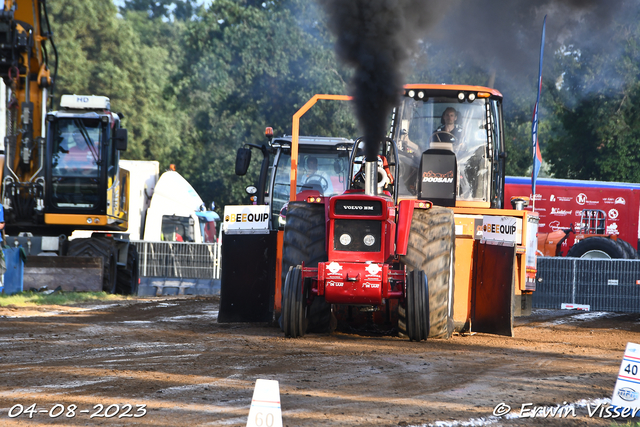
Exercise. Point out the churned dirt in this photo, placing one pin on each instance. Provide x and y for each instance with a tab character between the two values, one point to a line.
171	355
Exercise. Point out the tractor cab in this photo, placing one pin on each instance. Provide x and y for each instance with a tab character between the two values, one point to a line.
460	119
322	171
323	168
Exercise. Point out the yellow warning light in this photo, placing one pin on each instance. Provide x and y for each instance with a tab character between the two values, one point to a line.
483	94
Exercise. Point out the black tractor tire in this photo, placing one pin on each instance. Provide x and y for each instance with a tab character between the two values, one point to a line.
294	304
417	307
128	278
304	241
99	247
629	251
597	248
431	249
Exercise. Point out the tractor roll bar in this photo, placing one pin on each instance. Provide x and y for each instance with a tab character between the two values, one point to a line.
295	133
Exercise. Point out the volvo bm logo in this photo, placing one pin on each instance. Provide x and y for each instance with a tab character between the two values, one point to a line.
360	208
628	394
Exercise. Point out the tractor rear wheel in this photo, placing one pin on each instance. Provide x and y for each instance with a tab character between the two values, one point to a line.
596	248
304	241
294	304
629	251
430	252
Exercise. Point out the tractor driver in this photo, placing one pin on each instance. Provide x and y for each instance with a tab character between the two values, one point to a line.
449	130
314	178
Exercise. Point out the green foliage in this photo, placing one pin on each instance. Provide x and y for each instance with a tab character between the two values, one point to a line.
181	9
597	106
250	67
105	55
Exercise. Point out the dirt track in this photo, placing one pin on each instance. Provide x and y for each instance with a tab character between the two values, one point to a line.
173	356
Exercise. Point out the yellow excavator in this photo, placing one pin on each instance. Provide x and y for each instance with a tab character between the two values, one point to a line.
60	168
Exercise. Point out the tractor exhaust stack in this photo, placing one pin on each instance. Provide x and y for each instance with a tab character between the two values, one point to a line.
371	178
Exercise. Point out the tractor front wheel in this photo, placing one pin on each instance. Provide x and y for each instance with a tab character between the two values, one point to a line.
304	241
429	262
294	304
417	307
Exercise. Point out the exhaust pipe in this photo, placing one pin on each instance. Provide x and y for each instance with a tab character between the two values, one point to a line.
371	178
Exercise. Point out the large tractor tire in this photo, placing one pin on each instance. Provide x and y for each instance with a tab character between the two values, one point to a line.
596	248
128	277
629	251
294	304
427	311
304	241
99	247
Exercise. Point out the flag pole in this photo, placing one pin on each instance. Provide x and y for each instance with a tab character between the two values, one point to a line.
537	157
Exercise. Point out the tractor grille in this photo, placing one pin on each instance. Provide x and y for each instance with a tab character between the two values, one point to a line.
357	231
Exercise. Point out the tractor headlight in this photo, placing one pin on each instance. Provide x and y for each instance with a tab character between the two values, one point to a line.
345	239
369	240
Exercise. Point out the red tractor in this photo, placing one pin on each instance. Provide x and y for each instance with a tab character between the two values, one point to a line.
371	245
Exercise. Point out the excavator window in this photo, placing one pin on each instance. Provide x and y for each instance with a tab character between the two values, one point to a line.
76	165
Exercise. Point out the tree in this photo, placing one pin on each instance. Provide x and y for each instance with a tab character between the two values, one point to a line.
245	67
103	54
598	94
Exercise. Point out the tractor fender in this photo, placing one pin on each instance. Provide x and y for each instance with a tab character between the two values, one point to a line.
405	213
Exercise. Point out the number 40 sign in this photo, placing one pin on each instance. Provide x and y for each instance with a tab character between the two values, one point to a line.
626	394
265	408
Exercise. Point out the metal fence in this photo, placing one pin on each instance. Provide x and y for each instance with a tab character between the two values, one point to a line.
179	260
605	285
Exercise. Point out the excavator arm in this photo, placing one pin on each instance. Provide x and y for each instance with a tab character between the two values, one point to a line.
25	46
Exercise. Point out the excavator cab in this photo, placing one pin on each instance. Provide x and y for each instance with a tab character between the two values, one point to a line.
78	184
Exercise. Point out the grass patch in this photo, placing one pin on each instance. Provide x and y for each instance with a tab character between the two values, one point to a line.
25	299
627	424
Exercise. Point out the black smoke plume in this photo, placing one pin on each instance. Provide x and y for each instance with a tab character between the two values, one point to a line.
376	37
505	35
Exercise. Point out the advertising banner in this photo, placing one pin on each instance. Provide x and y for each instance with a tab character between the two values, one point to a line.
241	219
